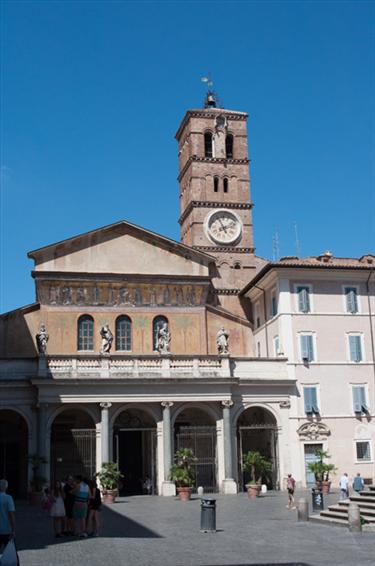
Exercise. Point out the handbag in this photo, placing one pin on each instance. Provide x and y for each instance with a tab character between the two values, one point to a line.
10	556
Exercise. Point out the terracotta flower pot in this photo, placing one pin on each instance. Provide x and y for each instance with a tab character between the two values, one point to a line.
36	498
109	495
253	490
326	486
184	493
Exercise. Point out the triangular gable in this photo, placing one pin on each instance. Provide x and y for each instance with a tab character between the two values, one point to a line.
121	248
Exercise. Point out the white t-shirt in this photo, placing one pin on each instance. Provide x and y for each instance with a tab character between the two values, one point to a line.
344	482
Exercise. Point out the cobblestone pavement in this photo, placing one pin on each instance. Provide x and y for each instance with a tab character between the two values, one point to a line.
158	531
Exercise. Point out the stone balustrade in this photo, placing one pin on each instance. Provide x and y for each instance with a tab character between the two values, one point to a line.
154	366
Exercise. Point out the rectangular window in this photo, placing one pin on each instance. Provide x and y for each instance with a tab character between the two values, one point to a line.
307	347
303	294
359	399
258	349
351	299
355	347
311	400
273	305
363	451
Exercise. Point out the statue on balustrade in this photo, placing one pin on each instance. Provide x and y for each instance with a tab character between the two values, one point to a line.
222	341
42	339
107	339
163	339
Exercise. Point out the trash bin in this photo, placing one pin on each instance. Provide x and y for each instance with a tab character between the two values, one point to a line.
208	515
317	499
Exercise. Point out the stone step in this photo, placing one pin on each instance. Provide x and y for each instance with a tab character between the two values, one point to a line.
367	493
360	499
329	520
371	487
366	513
361	504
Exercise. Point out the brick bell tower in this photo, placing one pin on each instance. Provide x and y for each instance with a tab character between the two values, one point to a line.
215	205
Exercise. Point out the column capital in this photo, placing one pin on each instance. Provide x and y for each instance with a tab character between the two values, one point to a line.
105	405
228	403
166	404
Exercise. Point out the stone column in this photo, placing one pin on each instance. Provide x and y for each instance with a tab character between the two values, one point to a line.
229	486
43	442
104	431
168	487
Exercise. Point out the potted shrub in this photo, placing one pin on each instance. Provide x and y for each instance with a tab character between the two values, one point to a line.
255	464
37	481
182	473
109	477
321	471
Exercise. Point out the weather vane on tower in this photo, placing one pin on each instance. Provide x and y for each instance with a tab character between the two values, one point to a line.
211	100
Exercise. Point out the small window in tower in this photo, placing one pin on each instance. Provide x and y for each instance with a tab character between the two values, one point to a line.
216	184
229	146
208	144
225	184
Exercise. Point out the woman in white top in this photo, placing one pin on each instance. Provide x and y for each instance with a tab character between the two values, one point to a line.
58	508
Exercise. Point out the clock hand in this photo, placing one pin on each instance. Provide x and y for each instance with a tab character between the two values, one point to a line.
223	227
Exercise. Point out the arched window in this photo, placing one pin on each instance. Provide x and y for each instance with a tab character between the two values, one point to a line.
216	184
225	184
123	333
85	334
208	144
156	325
229	146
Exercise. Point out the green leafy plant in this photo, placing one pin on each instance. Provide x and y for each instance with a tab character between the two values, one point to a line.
257	466
320	468
182	471
37	481
109	476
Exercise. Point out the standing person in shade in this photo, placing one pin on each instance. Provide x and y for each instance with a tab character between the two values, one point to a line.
69	502
7	515
344	486
81	493
95	505
58	509
358	483
290	485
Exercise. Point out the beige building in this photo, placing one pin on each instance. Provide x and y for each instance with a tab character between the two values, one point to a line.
138	345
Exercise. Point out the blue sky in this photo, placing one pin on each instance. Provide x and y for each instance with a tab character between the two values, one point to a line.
93	93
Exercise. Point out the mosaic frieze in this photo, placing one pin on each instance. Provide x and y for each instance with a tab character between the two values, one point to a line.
135	295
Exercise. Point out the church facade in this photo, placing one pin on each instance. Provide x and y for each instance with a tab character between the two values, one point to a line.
138	345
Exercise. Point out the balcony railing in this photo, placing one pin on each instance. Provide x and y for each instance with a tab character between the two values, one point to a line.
133	367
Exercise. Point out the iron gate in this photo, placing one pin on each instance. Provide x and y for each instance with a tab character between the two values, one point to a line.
249	439
202	441
147	446
73	451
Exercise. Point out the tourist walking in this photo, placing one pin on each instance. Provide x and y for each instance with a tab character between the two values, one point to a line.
344	486
358	483
290	485
81	492
7	515
94	508
58	509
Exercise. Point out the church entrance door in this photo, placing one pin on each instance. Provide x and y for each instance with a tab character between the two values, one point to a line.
13	452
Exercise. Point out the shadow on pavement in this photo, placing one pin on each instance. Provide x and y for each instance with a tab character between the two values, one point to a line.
34	528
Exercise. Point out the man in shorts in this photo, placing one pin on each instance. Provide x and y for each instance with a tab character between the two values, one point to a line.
290	485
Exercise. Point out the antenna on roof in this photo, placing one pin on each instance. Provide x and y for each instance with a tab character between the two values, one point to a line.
275	244
296	240
211	100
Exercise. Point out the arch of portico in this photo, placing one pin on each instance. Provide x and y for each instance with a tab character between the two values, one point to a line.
16	436
257	429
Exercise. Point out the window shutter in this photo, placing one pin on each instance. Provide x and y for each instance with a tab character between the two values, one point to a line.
357	407
303	299
310	346
355	348
304	348
351	300
362	392
308	399
314	401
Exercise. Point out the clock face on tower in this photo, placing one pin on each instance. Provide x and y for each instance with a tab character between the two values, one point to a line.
223	226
